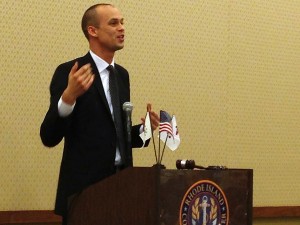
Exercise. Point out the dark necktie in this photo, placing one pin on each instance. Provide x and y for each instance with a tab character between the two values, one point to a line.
115	101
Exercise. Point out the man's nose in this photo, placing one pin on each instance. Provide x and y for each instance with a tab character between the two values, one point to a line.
121	26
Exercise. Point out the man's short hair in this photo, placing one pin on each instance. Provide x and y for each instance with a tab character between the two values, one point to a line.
90	18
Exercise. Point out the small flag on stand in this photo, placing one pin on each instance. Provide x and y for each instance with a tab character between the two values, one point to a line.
165	125
169	133
174	143
147	132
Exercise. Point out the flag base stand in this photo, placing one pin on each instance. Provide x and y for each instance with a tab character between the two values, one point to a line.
158	165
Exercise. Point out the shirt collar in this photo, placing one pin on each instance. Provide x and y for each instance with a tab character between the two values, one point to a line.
100	63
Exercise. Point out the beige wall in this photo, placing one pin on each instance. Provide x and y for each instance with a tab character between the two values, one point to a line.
228	70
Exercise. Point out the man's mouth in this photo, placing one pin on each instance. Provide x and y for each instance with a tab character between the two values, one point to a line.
121	37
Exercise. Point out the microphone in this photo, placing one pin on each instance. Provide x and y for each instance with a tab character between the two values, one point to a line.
127	108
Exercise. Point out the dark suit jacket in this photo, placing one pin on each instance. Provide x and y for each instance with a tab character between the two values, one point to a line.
89	133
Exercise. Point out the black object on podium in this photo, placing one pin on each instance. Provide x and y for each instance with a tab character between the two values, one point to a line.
155	196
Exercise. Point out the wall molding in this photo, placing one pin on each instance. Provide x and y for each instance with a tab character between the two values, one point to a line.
48	216
276	211
32	216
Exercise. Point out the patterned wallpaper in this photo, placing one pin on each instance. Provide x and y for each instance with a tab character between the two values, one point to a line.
228	70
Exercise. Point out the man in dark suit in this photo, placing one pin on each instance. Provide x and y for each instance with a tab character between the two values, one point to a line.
82	111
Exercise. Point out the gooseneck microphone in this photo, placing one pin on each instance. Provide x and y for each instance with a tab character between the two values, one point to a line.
127	108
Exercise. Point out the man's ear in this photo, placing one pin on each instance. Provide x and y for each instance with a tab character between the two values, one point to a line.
92	31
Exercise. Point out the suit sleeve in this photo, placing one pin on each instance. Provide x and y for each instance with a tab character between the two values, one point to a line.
137	141
54	127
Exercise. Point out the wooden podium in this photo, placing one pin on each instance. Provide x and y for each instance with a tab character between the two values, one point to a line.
155	196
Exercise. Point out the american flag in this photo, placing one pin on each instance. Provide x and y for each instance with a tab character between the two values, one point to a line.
165	123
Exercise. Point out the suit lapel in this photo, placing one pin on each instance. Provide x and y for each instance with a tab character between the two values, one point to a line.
97	81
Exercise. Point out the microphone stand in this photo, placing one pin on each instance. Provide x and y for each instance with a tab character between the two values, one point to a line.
127	108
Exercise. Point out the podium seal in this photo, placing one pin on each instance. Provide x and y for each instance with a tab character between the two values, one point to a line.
204	204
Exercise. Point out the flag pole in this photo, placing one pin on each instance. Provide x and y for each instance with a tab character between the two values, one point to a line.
163	151
153	141
154	148
158	149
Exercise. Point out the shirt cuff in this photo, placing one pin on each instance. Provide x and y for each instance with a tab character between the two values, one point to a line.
141	128
64	109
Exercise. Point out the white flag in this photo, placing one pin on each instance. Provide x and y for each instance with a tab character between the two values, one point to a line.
172	140
146	134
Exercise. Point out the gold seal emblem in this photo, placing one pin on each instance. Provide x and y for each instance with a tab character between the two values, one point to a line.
204	204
